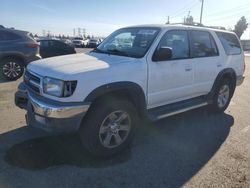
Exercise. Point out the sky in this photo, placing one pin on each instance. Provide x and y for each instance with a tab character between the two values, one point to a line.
101	17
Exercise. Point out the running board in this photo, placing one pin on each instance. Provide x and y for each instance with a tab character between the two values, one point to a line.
176	108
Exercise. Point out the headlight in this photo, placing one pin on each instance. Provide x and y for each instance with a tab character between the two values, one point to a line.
58	88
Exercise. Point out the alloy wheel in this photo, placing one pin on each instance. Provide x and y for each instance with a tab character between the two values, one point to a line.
12	69
223	96
115	129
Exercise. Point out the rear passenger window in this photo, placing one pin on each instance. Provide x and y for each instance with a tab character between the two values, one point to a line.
178	42
230	43
44	43
7	36
203	44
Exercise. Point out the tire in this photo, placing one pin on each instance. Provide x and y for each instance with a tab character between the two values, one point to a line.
222	96
99	131
11	68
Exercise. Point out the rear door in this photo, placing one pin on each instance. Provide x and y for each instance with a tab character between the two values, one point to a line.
207	61
9	42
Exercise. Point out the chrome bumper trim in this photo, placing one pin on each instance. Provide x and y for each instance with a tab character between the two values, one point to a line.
57	111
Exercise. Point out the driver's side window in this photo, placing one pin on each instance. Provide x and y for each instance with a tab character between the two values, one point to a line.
177	40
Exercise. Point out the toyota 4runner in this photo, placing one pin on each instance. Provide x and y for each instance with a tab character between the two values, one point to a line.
151	72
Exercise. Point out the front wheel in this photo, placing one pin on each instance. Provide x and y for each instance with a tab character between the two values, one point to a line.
11	68
222	96
108	127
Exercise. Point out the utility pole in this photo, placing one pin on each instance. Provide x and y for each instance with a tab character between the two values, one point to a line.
202	3
168	22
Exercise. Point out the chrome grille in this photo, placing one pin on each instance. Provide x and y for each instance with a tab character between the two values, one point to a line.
32	81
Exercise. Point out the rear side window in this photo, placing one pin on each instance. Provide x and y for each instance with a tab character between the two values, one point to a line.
203	44
44	43
230	43
8	36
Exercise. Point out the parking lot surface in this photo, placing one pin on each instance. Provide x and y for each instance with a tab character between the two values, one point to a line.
193	149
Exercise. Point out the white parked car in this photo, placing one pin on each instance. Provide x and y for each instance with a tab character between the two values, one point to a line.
79	42
163	70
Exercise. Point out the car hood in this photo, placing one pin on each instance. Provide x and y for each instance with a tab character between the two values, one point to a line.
63	67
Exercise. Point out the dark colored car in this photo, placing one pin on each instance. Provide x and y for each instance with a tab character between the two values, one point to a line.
51	48
17	49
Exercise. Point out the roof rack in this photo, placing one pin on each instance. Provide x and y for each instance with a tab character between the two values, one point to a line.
194	24
198	25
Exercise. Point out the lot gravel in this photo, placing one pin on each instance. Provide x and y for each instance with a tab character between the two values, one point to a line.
193	149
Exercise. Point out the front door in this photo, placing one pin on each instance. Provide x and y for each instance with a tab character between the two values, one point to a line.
171	80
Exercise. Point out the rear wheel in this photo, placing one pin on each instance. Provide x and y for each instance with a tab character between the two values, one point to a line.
108	127
11	68
222	96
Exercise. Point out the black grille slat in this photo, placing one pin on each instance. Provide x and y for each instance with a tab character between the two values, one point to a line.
32	77
29	78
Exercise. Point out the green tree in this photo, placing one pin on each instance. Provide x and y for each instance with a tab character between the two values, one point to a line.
241	26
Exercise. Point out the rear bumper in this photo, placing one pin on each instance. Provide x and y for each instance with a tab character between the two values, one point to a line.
32	58
51	116
239	80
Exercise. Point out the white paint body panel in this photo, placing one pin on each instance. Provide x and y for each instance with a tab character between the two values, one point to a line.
91	71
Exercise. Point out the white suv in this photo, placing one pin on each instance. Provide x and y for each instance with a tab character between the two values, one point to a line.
150	72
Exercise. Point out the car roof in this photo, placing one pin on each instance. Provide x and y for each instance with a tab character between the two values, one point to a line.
180	26
14	30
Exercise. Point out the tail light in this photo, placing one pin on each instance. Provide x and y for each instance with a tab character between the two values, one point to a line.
32	45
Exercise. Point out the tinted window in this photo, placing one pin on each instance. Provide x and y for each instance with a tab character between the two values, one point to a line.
44	43
203	44
230	43
58	44
6	36
178	42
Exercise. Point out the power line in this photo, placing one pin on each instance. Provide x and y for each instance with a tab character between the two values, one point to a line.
185	9
229	10
226	16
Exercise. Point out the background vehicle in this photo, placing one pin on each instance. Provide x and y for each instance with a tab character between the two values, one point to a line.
51	48
93	43
78	42
67	41
150	72
17	49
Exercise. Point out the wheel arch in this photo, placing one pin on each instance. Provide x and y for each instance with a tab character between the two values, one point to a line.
124	89
14	56
227	73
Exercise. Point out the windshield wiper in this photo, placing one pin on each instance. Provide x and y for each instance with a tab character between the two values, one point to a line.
118	52
98	51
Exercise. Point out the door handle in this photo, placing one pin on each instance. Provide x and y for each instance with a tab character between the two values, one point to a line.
188	68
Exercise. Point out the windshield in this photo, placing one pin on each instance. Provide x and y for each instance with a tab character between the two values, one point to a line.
132	42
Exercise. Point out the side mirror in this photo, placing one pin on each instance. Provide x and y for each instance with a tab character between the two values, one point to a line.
162	54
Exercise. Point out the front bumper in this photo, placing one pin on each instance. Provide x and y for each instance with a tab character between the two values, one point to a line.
51	116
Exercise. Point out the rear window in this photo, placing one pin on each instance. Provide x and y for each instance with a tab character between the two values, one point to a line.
7	36
230	43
